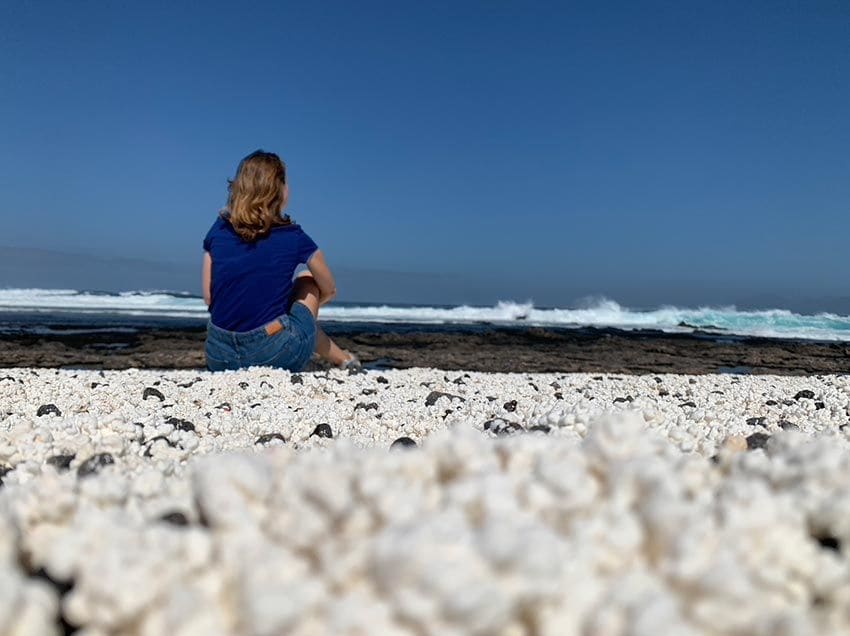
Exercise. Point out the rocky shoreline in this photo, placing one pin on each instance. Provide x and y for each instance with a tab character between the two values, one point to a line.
484	349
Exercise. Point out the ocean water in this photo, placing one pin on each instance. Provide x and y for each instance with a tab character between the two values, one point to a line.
38	309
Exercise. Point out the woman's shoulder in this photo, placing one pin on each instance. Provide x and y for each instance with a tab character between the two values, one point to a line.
290	226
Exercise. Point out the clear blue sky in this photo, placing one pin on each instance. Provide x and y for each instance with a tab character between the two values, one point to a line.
648	151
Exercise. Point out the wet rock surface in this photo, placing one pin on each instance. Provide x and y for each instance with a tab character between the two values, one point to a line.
484	349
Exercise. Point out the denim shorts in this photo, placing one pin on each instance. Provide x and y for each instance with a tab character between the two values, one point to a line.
288	348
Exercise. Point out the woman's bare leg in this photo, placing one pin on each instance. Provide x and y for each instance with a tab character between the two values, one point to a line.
307	292
328	349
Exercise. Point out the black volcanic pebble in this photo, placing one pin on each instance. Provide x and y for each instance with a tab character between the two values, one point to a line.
175	519
322	430
159	438
691	404
510	407
540	428
808	395
152	392
559	395
371	406
182	425
433	396
757	440
60	462
828	542
663	393
296	379
225	406
501	427
771	403
756	421
266	438
266	384
788	426
403	442
47	409
243	385
369	391
819	406
382	380
628	398
94	463
4	470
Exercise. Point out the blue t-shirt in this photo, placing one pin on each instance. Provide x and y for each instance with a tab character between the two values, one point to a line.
252	282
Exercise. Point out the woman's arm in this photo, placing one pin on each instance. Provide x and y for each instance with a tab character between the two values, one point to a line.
323	277
206	279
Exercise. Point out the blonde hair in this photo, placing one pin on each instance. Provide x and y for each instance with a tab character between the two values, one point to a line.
258	195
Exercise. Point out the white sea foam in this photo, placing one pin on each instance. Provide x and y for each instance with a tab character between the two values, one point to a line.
602	312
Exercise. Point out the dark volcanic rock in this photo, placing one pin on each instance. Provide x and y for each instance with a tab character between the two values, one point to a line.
819	406
5	470
47	409
94	464
182	425
757	440
828	542
159	438
510	407
756	421
268	437
243	385
433	396
540	428
382	380
175	518
60	462
296	379
805	395
628	398
502	427
152	392
403	442
771	403
371	406
788	426
322	430
691	404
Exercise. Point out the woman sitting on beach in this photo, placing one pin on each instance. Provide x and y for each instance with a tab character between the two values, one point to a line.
261	314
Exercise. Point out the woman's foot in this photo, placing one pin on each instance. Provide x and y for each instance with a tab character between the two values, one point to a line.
350	363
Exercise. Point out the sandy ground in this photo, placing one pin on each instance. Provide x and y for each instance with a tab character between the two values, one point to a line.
422	502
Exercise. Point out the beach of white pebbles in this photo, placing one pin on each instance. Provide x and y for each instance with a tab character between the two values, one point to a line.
422	502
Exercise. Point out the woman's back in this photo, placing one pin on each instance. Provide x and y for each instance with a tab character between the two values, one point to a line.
252	280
